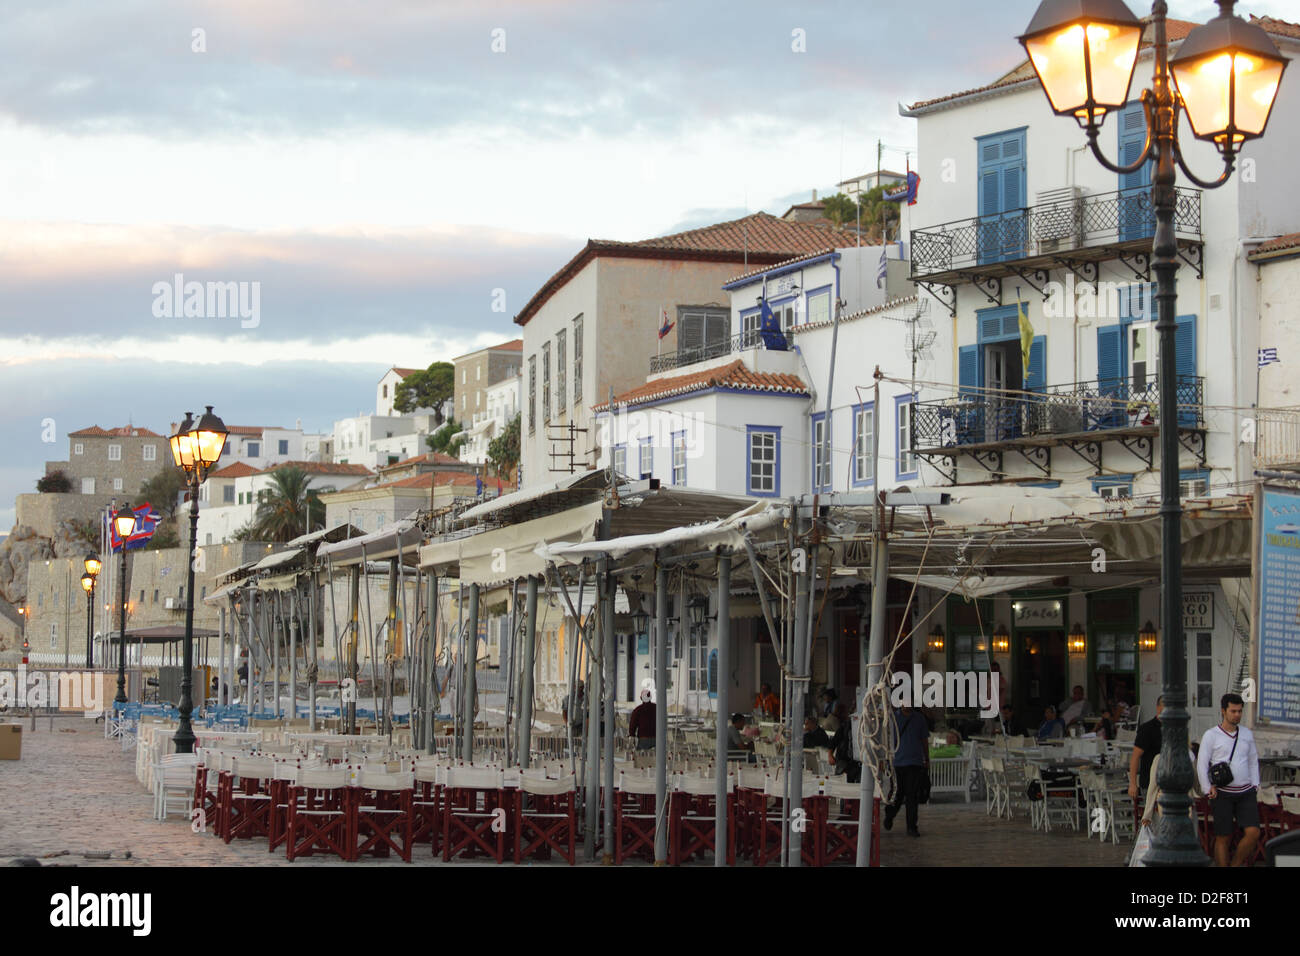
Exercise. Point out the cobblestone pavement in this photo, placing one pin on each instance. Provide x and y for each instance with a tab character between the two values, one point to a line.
73	800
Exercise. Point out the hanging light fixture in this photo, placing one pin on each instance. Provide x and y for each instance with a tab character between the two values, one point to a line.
1077	643
935	642
1147	637
1001	639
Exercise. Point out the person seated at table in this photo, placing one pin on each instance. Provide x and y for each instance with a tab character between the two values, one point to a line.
767	703
1076	708
1052	726
736	739
1006	723
814	736
1106	725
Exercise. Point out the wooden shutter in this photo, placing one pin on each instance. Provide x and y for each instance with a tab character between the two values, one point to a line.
1036	376
968	370
1110	356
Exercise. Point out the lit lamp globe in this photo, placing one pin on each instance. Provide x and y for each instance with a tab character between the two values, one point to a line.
182	445
1084	52
208	437
124	522
1227	73
87	583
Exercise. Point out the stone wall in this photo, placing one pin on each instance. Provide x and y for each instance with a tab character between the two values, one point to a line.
43	513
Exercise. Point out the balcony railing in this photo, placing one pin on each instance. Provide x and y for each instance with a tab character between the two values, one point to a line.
1081	410
751	339
1277	438
1048	229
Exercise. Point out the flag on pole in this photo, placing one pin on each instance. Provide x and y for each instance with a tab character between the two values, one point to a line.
1026	337
146	522
883	270
1268	357
770	330
666	326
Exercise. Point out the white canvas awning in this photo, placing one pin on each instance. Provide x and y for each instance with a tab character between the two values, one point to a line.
508	553
400	539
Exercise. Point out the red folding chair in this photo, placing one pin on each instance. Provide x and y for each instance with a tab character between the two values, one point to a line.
426	803
838	834
545	818
206	777
475	813
770	824
246	809
693	819
320	816
380	804
634	817
286	774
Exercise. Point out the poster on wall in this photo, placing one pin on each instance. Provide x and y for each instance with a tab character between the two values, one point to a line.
1279	606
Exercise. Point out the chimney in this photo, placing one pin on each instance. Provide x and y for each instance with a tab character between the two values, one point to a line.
814	199
297	423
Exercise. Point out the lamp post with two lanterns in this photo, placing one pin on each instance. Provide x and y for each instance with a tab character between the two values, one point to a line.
92	566
1225	77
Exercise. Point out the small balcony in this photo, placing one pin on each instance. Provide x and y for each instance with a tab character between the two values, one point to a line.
1277	439
1081	417
1075	232
720	348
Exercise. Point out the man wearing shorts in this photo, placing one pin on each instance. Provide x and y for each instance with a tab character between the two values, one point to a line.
1234	802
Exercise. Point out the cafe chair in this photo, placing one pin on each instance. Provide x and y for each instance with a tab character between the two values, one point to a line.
545	817
471	824
246	805
318	814
380	808
693	818
634	817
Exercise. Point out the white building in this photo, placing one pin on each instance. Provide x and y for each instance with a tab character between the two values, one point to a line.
502	401
260	446
1014	214
237	490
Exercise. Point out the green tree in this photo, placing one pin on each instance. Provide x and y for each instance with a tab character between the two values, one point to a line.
879	215
426	389
286	506
448	438
163	491
503	451
166	536
840	209
56	482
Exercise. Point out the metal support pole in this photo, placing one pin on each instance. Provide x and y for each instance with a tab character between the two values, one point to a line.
121	634
469	645
609	686
723	630
875	655
222	676
294	627
350	694
661	715
312	593
594	690
798	687
1174	842
525	725
430	665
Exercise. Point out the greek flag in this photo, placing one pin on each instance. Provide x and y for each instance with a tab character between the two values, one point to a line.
1267	357
883	270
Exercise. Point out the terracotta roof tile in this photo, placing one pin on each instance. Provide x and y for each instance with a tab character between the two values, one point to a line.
1282	28
1291	241
777	265
404	372
760	238
240	469
436	458
319	468
1176	30
123	431
247	429
734	375
440	479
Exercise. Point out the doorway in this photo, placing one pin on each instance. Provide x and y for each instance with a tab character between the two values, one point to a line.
1042	676
1003	373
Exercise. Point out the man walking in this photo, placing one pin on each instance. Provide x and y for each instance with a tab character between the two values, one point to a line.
641	725
1228	768
911	764
1146	746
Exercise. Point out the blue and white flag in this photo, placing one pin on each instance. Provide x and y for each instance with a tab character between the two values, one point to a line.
884	268
1268	357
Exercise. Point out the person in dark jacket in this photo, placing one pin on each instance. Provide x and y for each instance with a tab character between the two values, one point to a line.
641	725
814	736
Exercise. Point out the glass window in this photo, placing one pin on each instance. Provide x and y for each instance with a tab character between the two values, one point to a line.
284	446
114	452
620	459
532	394
560	390
821	462
149	452
78	449
647	458
546	381
254	449
864	424
679	458
117	484
577	360
763	462
906	460
228	494
819	307
1204	670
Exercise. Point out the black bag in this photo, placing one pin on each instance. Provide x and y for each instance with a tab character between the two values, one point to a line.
1221	772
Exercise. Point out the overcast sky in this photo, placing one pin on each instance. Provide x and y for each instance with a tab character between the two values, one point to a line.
381	169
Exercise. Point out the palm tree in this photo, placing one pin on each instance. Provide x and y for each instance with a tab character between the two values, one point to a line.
283	513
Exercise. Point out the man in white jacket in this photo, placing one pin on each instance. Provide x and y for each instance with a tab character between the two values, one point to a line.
1233	803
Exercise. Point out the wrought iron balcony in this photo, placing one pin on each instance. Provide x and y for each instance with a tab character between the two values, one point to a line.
666	362
1079	416
1277	438
1064	232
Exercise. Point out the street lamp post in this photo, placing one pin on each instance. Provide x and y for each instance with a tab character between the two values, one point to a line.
93	566
1225	76
196	447
124	525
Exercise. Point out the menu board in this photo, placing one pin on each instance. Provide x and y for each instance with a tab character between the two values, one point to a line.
1279	611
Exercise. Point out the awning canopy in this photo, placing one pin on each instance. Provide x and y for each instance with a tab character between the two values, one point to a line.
160	634
399	540
508	553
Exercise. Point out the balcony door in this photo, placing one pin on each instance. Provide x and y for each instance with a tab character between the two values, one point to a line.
1137	218
1001	229
1003	376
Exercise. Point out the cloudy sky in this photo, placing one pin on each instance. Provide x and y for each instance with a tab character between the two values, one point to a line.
382	169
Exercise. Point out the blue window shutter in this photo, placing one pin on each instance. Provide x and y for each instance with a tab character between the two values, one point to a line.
990	193
1110	360
1185	345
1036	379
968	369
1131	129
